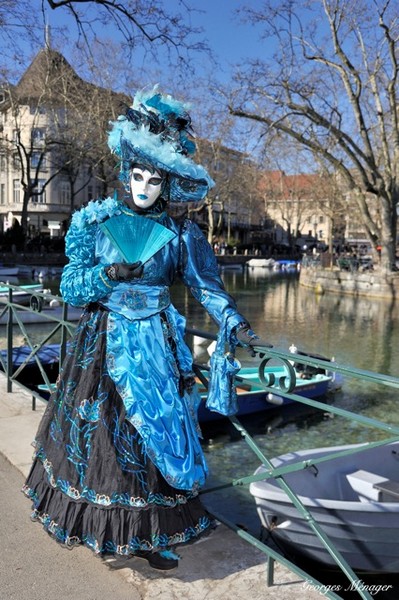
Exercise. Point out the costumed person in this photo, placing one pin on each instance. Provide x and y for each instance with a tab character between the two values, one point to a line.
118	462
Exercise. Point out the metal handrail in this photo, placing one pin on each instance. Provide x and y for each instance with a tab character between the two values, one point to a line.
287	358
283	386
14	311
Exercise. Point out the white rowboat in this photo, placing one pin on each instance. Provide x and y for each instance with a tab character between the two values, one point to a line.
355	500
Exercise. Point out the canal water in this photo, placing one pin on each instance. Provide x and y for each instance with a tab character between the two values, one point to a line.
362	333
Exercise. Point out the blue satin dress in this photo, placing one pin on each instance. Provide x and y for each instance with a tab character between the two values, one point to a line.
121	433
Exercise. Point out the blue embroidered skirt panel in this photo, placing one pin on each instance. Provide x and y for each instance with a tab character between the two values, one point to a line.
92	481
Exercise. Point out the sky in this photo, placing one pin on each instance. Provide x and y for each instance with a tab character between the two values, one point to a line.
229	40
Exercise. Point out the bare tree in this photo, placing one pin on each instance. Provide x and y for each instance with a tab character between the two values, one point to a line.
148	32
148	26
234	201
285	199
332	86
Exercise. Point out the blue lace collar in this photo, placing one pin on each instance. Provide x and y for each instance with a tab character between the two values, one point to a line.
98	210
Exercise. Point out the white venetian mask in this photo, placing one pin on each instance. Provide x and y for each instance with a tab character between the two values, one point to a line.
145	187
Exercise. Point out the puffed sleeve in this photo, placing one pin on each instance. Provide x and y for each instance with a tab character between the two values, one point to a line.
83	280
199	272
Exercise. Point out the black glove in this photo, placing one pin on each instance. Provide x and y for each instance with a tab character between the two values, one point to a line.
124	271
248	339
189	383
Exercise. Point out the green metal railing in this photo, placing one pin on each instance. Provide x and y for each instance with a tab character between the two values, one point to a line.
62	329
285	387
12	313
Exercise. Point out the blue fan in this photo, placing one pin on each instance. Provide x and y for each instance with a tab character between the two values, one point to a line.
136	238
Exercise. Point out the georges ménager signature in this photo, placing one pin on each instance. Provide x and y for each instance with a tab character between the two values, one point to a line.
354	586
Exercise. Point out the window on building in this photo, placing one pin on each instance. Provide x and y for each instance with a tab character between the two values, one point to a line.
2	193
65	192
39	110
39	192
38	135
321	219
16	163
3	163
16	191
35	160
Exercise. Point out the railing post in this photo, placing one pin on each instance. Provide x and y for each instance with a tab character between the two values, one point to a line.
270	571
9	342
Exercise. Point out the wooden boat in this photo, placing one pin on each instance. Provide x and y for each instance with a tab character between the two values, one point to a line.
286	265
21	294
8	271
252	397
265	263
354	499
30	375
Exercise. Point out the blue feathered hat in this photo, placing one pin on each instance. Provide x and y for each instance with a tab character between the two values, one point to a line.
156	131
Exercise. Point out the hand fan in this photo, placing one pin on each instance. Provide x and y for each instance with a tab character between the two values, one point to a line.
136	238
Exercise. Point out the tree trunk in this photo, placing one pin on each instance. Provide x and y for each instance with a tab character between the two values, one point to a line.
210	222
388	238
24	213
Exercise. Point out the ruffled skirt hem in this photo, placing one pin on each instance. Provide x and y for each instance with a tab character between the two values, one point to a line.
113	530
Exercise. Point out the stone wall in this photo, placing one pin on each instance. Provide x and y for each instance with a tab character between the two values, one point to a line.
370	283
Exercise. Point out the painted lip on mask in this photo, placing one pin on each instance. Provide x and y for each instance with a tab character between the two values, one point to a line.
142	196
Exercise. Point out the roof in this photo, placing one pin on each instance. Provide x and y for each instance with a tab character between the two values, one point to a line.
51	79
277	183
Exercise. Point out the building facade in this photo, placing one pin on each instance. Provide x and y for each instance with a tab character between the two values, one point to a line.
49	166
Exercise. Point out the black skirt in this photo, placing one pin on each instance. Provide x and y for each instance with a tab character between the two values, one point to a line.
91	481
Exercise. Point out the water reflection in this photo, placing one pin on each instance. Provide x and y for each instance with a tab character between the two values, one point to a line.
361	332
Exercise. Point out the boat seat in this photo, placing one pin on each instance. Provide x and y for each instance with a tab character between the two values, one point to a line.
370	486
389	490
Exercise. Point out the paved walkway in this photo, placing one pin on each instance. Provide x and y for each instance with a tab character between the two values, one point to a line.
219	568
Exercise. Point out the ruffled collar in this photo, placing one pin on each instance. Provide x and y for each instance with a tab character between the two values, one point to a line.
98	210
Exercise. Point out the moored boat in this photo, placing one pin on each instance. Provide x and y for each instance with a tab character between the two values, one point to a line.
30	375
46	315
252	396
20	294
354	499
8	271
266	263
